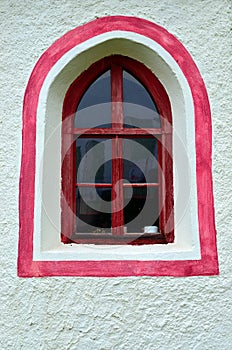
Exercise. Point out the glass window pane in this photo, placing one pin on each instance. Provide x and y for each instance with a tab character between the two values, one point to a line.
93	160
140	163
94	109
93	210
142	208
139	109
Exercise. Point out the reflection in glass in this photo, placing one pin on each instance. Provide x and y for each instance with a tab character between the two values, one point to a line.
91	211
139	109
140	163
93	162
94	109
142	210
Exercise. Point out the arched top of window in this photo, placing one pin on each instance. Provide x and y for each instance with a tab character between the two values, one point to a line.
144	100
94	108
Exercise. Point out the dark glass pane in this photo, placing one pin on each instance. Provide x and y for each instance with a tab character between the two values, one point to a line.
139	109
140	160
93	210
93	160
142	208
94	109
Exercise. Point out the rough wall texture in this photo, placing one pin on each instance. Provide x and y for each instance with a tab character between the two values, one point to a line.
121	313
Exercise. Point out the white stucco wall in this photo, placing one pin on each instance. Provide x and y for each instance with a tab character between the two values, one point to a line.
120	313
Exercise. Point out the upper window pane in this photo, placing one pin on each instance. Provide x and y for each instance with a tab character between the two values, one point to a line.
94	109
139	109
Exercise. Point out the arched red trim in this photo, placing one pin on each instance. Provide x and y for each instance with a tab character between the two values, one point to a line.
208	264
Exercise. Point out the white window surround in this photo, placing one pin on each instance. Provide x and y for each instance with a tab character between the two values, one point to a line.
47	212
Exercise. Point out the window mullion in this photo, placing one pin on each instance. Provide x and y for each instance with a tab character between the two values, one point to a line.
116	97
117	187
117	158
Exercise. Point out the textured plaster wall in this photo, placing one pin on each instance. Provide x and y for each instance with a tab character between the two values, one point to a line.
121	313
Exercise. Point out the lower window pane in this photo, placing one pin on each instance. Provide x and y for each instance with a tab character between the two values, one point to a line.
141	208
93	210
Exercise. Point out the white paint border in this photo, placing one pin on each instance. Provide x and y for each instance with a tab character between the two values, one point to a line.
187	248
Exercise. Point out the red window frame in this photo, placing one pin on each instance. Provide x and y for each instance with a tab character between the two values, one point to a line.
116	64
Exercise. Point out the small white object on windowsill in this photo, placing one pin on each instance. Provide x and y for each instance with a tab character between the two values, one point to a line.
151	229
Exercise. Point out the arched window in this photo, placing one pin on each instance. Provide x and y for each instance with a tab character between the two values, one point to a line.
117	156
116	126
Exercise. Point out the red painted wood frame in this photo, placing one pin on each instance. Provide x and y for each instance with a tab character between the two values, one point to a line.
116	64
207	264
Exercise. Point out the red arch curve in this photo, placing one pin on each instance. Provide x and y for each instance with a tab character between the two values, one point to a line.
208	263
